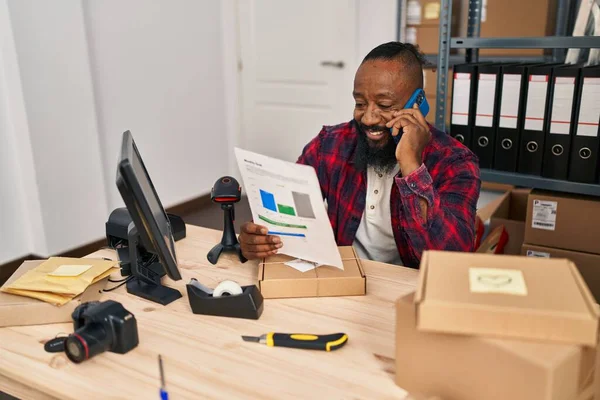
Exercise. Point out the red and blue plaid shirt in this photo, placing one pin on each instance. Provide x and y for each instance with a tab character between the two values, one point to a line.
448	180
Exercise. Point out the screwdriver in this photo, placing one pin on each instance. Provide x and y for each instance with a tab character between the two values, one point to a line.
301	340
163	390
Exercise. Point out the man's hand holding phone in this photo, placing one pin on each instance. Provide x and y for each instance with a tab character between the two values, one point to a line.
415	136
256	242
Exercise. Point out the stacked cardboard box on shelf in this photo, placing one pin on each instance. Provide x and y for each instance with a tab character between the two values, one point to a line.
499	18
565	226
515	18
423	21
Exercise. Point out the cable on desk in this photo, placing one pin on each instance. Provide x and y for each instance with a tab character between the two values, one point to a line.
119	285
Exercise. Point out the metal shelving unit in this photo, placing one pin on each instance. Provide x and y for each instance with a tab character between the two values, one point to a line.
538	182
454	59
472	44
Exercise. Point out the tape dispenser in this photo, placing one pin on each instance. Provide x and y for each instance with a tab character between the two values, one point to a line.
228	299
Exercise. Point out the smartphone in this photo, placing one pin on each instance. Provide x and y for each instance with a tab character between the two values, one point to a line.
417	97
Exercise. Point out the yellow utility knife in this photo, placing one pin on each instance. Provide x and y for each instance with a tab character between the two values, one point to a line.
301	340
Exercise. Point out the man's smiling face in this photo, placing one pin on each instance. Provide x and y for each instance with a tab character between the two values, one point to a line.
380	88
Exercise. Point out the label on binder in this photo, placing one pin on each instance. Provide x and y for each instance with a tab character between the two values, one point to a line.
461	97
589	108
486	96
509	104
536	102
544	214
562	105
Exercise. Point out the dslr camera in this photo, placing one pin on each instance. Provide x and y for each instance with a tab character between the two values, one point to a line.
99	327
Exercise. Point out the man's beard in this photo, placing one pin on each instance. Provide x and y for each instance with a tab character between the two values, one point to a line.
382	157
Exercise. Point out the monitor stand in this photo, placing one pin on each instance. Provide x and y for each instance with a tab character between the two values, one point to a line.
145	281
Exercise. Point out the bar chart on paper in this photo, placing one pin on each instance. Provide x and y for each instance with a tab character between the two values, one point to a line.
286	198
277	213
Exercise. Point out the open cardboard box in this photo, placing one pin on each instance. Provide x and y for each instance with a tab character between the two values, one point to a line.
277	280
505	296
20	310
461	367
511	213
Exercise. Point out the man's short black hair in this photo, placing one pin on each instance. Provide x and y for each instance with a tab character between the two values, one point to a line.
397	50
407	54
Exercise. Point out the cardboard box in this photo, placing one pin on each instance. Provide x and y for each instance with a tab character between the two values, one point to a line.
588	264
511	213
425	36
277	280
429	13
458	367
505	296
512	18
563	221
430	83
20	310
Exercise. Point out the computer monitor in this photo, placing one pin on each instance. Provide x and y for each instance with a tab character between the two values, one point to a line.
149	235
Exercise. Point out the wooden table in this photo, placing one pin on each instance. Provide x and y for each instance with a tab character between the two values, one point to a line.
204	357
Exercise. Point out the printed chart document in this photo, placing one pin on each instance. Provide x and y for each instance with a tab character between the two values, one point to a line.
286	198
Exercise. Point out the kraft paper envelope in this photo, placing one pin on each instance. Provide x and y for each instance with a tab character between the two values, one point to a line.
40	284
23	310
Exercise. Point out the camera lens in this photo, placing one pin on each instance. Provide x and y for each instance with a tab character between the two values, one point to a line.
87	342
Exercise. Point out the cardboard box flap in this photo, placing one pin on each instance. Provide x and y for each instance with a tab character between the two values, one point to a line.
347	252
273	271
506	296
420	294
585	290
351	266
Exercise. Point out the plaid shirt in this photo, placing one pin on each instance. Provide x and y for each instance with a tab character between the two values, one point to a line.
448	180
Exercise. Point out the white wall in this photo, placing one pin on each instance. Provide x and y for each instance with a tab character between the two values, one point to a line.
21	225
13	225
376	24
73	76
157	70
55	77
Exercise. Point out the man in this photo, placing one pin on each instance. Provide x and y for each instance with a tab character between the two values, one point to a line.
391	202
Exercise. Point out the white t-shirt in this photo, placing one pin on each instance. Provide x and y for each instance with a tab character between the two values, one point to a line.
374	237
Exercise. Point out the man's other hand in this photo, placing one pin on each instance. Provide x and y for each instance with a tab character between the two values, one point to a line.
256	243
414	139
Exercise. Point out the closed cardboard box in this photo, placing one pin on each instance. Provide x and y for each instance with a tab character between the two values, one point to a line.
459	367
511	214
278	280
426	37
505	296
563	221
512	18
588	264
429	13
